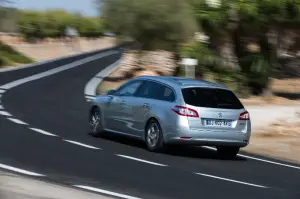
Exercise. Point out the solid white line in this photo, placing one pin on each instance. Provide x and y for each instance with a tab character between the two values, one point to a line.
91	86
5	113
19	170
268	161
141	160
17	121
106	192
81	144
259	159
89	97
2	91
57	70
230	180
42	132
49	61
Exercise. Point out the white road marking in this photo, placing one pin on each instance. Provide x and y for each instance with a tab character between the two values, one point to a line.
106	192
91	86
19	170
17	121
1	107
141	160
56	70
81	144
268	161
89	97
47	61
230	180
259	159
42	132
5	113
2	91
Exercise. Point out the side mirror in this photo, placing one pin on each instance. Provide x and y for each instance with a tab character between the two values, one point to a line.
111	92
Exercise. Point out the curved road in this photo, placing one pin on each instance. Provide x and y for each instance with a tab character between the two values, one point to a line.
44	129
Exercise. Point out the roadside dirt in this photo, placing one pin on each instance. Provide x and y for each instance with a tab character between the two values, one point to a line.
41	52
279	140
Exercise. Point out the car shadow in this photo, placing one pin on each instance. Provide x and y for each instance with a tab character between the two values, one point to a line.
196	152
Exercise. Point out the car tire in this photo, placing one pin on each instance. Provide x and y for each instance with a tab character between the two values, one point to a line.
154	136
228	152
96	122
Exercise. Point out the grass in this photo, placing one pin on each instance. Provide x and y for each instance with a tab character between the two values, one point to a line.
9	56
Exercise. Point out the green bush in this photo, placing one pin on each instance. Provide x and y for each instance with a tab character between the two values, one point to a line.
52	23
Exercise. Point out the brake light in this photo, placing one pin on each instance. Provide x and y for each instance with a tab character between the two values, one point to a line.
184	111
244	116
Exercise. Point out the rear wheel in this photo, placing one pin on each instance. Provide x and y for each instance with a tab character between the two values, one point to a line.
96	122
154	136
228	152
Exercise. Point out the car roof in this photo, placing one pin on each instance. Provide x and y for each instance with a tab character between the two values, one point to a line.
182	82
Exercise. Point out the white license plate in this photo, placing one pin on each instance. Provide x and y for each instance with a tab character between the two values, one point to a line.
220	123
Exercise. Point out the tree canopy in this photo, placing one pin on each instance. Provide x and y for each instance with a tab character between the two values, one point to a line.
154	24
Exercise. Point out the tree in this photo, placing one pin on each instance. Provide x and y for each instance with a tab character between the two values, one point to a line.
153	24
240	22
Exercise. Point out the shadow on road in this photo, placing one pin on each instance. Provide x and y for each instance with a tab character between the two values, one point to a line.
198	152
180	151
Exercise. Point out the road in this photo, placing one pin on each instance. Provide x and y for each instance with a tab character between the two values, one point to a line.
44	130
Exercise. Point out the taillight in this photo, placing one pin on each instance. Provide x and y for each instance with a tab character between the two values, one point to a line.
184	111
244	116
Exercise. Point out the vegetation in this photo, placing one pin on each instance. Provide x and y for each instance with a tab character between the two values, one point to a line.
52	24
232	25
9	56
153	24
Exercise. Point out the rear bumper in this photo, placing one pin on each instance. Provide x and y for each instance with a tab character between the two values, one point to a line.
205	137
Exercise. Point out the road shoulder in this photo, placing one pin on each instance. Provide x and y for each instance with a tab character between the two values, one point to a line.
14	186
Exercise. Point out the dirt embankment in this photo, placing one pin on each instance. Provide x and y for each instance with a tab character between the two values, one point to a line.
53	48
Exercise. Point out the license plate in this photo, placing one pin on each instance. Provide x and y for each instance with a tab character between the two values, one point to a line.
220	123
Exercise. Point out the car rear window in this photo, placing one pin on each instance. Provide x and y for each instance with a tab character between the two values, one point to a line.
211	98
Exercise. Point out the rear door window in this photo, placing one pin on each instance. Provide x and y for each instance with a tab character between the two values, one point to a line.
211	98
154	90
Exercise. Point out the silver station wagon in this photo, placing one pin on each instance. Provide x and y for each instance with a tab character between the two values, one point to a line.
163	110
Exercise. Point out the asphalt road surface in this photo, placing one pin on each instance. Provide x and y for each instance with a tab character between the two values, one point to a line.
44	133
